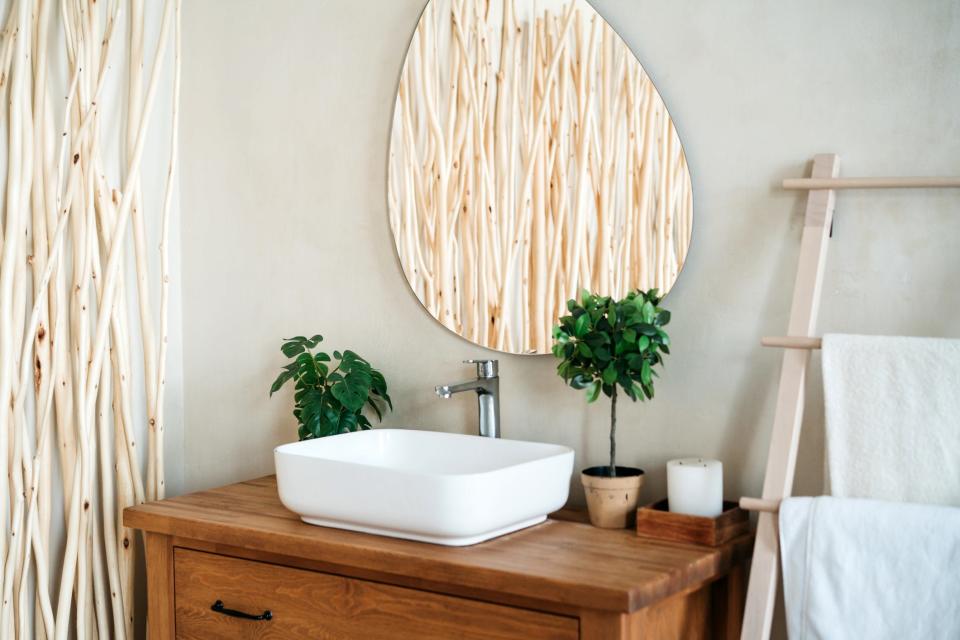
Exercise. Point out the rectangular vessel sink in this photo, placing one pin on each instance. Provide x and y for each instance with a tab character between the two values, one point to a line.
429	486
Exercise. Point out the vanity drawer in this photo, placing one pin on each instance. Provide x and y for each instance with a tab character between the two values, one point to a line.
306	604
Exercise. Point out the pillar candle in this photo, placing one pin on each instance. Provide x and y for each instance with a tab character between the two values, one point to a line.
695	486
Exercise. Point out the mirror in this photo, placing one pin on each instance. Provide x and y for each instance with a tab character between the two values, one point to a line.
530	157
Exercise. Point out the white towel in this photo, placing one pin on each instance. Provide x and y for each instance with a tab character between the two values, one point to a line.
893	418
863	569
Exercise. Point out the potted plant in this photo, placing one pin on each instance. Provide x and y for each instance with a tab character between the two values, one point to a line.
330	394
607	345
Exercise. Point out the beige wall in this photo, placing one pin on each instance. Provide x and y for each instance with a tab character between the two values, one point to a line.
287	106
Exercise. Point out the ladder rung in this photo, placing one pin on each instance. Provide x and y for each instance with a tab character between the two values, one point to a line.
760	504
792	342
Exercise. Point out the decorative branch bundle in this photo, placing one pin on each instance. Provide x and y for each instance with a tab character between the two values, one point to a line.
530	157
67	357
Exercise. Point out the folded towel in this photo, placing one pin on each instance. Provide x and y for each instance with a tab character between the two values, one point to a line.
870	569
893	418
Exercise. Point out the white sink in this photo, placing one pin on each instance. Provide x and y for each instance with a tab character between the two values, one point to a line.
434	487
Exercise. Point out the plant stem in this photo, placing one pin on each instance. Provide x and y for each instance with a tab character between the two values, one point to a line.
613	432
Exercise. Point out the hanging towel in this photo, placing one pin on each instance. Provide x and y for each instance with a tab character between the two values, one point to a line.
893	418
860	569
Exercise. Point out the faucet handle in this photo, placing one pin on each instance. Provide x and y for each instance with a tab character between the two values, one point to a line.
485	368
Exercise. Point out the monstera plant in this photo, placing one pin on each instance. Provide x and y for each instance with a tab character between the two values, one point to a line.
610	347
330	393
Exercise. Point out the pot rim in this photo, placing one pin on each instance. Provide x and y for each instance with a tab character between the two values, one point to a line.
622	472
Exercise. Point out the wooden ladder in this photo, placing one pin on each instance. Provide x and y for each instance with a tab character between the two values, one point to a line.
782	456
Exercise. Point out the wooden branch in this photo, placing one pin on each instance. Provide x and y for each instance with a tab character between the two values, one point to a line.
165	265
65	367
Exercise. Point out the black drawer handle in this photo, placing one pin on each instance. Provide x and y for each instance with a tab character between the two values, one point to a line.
233	613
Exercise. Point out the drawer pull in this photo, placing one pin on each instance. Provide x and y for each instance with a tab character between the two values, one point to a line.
233	613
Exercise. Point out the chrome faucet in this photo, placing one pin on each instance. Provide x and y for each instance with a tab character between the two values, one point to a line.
487	386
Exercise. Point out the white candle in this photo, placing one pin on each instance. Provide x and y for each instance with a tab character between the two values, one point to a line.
695	486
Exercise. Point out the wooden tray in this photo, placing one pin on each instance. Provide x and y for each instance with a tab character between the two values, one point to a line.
654	521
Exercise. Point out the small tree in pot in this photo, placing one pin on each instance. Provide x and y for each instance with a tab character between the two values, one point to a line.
607	345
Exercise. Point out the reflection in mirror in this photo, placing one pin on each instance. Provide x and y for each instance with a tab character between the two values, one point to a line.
530	157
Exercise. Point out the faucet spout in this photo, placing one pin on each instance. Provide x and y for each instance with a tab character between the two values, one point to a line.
487	388
447	390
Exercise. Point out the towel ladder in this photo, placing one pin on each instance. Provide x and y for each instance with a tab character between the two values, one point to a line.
821	189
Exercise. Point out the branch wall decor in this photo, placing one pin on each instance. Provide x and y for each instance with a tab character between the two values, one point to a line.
82	366
530	157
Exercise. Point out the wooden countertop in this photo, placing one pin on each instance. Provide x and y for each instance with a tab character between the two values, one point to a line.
561	564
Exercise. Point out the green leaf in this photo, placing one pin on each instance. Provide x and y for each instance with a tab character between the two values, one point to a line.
376	409
582	326
646	373
646	329
580	381
630	335
647	312
609	374
379	387
594	391
291	349
597	339
584	349
353	389
348	422
280	381
643	343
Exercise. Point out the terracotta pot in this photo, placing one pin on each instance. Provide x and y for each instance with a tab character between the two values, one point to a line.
612	501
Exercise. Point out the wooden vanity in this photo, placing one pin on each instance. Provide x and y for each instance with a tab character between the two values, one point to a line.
237	545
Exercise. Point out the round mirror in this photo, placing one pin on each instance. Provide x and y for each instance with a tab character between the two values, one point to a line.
530	157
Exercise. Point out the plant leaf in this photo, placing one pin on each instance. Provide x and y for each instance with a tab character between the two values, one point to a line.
353	389
580	381
646	375
376	409
594	391
582	325
291	349
280	381
610	374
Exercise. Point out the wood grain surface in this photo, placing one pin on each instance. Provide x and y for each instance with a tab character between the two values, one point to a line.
306	604
655	521
562	565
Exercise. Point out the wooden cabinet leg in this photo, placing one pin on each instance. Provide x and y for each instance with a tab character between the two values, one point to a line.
160	605
728	597
602	625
